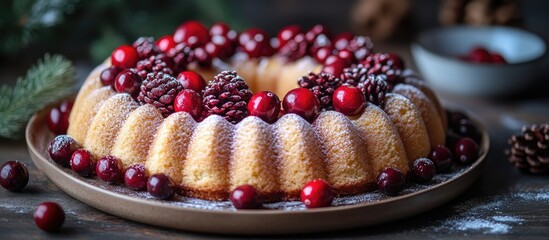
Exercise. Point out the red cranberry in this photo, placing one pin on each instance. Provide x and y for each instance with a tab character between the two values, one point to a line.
160	186
14	176
61	149
466	151
497	58
220	47
423	170
317	193
136	177
287	33
442	158
255	43
219	29
390	181
455	117
190	102
191	80
334	65
303	102
128	81
466	129
342	40
124	57
479	55
49	216
396	60
83	163
264	105
202	57
65	107
109	75
349	100
316	31
192	34
245	197
347	56
322	54
58	122
109	169
165	43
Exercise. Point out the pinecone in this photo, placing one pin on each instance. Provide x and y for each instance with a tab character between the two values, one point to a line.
385	63
155	64
374	88
362	46
295	48
530	151
160	90
323	85
227	95
146	47
182	55
354	75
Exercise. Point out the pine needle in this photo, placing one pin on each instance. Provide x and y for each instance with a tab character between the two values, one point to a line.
47	82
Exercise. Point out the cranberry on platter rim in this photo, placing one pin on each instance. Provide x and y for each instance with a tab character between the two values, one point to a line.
317	194
245	197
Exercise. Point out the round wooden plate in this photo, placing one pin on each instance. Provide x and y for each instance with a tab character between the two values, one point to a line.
282	218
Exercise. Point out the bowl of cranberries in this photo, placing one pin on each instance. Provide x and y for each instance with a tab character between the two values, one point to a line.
480	61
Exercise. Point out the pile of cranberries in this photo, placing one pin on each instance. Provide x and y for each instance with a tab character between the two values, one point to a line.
482	55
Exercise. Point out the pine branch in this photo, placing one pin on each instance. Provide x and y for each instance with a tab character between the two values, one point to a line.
50	80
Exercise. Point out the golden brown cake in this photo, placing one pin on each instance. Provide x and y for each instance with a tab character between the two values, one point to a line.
208	156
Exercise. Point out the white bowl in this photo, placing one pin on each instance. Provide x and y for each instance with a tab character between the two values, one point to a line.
436	55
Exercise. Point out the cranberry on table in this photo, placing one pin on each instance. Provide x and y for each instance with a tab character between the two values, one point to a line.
49	216
423	170
466	151
264	105
391	181
189	101
109	169
160	186
109	75
349	100
128	81
303	102
14	176
124	57
61	149
192	34
165	43
442	158
136	177
245	197
317	193
82	162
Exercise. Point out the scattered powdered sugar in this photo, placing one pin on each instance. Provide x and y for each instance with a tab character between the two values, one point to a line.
481	224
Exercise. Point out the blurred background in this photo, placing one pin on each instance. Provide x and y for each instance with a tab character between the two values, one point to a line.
87	31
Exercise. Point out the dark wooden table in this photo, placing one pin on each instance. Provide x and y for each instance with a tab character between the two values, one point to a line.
503	203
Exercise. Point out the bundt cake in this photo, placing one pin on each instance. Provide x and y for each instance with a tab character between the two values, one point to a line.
125	108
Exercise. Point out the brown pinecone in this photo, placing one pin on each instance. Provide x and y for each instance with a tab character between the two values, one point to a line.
374	88
227	95
323	85
354	75
155	64
385	63
295	48
146	47
530	151
182	55
160	90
